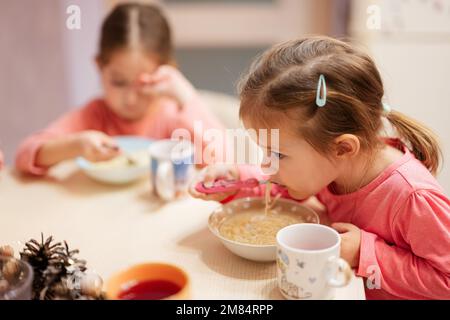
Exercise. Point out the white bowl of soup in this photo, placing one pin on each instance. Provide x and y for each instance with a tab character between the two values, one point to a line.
247	230
133	164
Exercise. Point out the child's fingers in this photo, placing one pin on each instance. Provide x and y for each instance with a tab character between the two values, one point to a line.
209	178
158	78
107	145
200	177
152	78
104	150
99	140
145	79
153	83
342	227
111	152
194	193
103	154
208	197
145	82
222	171
154	88
159	75
108	149
164	70
231	174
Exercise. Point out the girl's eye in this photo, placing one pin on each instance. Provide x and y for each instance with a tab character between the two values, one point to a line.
119	83
278	155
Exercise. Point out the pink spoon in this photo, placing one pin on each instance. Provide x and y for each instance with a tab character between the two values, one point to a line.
220	186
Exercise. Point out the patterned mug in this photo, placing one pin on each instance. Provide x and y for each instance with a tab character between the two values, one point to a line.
308	263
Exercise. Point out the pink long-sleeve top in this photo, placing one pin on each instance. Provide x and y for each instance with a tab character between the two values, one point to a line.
404	217
159	124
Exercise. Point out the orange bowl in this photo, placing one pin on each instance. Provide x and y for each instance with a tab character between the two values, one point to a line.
148	272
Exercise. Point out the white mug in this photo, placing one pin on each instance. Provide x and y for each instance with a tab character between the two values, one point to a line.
308	263
171	166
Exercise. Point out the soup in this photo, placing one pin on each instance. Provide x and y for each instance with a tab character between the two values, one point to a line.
256	226
150	290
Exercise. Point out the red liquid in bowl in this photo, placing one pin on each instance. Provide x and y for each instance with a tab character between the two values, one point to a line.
150	290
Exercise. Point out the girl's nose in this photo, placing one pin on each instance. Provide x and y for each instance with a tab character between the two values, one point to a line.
132	97
266	160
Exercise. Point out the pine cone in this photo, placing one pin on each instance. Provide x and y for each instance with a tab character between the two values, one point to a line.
56	269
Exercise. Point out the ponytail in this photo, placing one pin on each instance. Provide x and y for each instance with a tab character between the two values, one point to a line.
423	142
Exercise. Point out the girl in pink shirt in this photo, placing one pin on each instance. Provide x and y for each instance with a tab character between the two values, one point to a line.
325	97
144	95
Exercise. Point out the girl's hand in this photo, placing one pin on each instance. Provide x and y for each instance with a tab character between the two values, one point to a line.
97	146
211	173
169	81
350	242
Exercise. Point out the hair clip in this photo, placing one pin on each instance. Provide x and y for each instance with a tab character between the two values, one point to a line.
321	85
386	108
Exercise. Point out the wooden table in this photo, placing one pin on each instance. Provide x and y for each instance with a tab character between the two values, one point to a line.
117	226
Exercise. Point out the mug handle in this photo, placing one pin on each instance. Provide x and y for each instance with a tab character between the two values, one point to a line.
165	181
343	269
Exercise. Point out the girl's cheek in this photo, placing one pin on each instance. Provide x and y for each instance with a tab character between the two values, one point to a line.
114	95
297	177
288	174
145	99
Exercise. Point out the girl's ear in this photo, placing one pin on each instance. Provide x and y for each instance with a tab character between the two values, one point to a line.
347	146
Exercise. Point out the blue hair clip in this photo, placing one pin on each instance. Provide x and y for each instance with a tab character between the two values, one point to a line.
321	101
386	108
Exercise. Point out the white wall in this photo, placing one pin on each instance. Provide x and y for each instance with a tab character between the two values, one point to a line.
32	69
80	49
416	77
45	69
415	66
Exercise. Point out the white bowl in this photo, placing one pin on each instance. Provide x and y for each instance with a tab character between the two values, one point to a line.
262	253
120	175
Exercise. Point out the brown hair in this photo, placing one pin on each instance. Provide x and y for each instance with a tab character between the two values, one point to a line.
136	25
285	78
